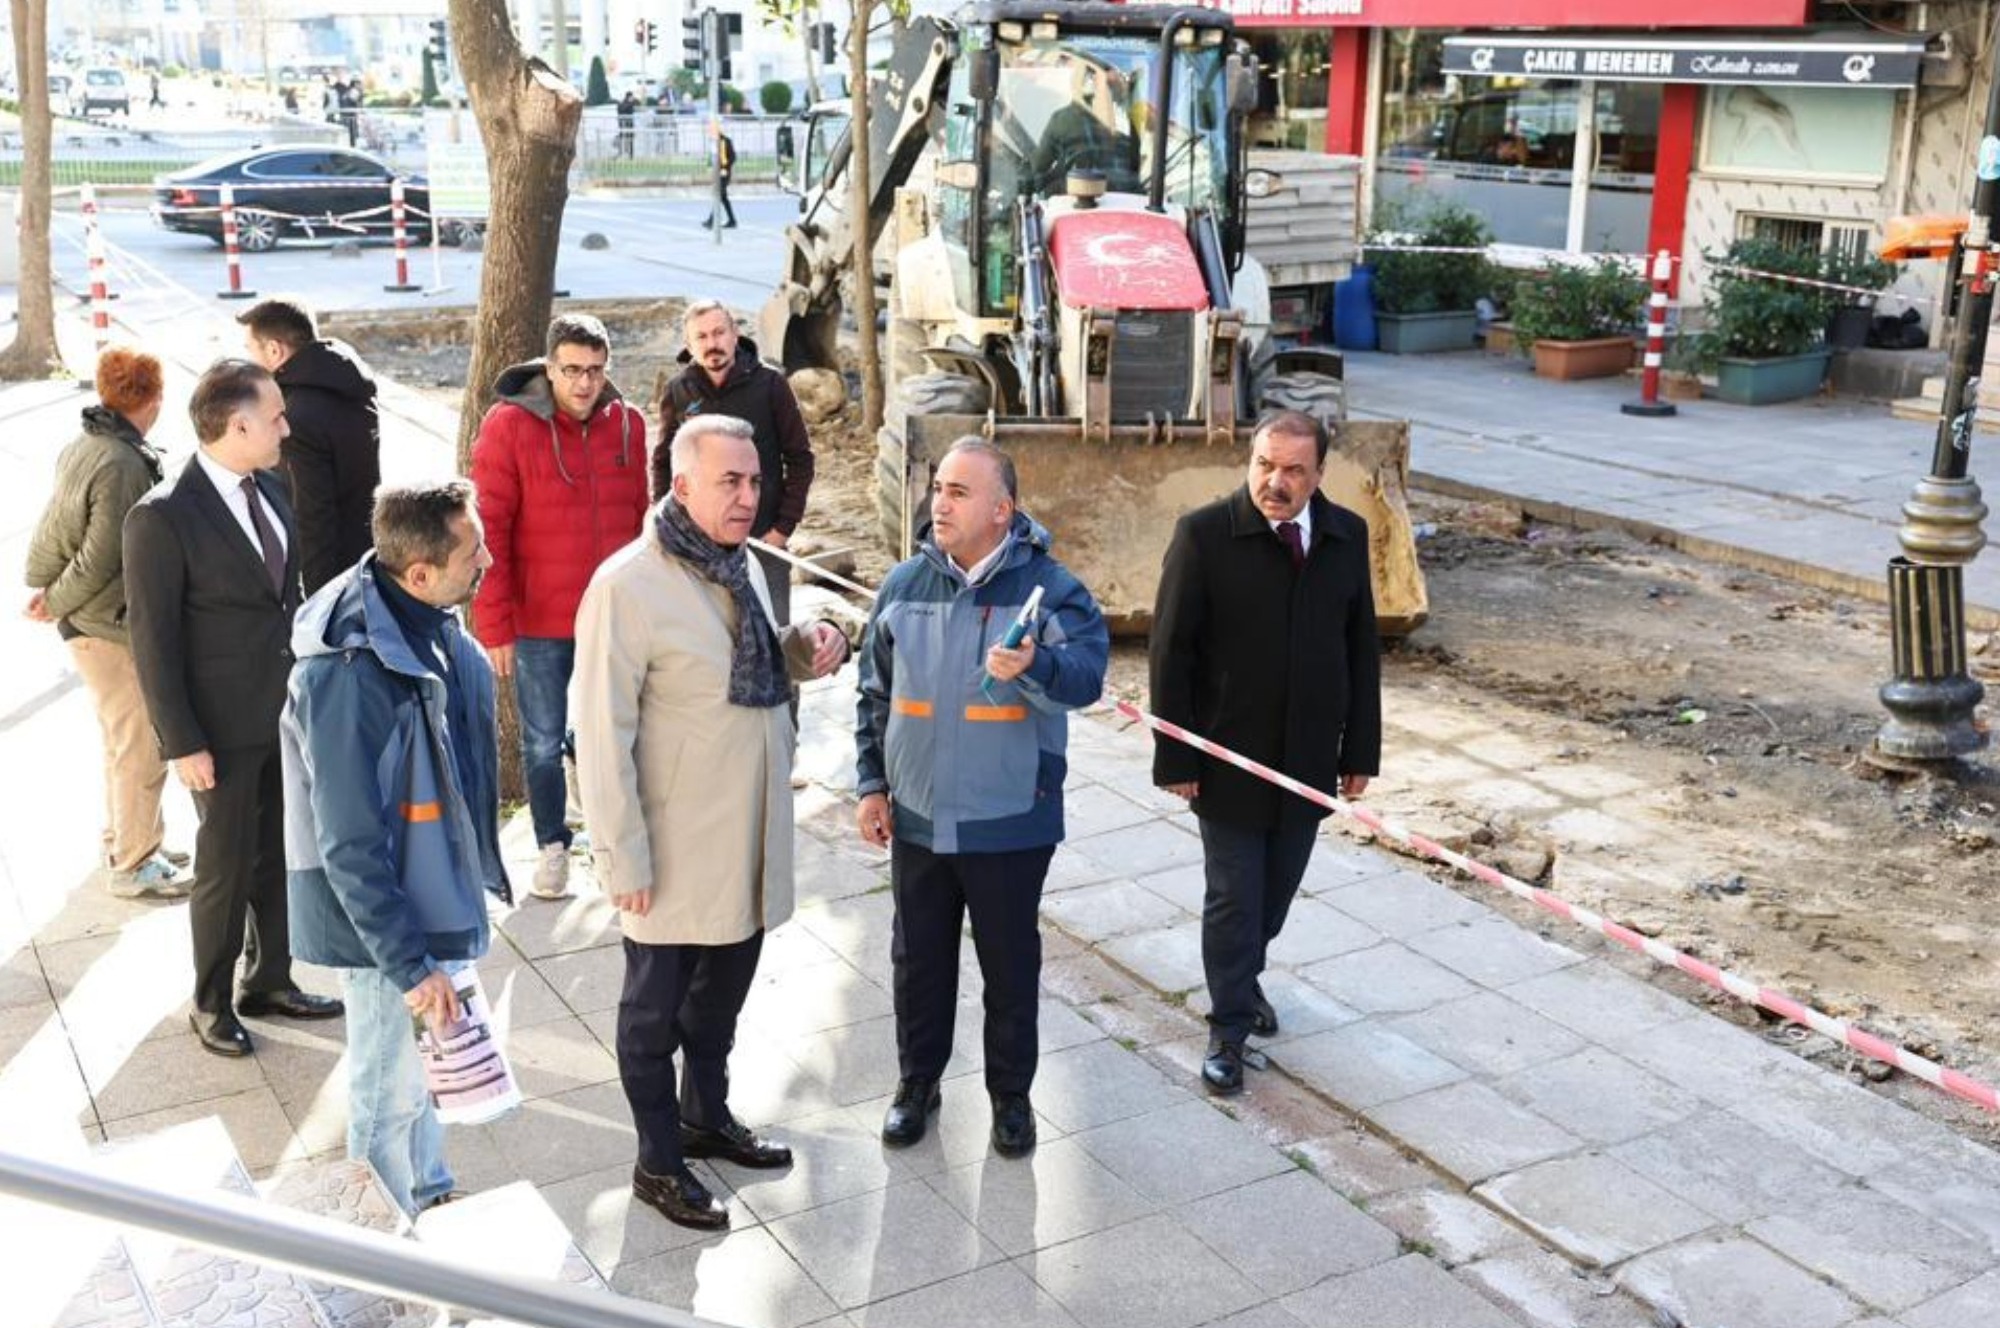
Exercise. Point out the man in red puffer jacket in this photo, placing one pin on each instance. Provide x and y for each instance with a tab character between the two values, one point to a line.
560	464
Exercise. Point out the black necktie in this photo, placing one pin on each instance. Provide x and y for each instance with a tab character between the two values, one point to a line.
1288	531
267	537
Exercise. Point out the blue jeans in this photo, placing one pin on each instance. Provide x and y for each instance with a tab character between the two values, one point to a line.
391	1122
542	666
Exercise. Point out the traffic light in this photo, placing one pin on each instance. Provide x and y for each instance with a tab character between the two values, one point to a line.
649	34
639	31
439	43
823	38
717	30
691	35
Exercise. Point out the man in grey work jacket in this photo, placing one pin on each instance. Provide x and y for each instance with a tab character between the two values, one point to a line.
960	760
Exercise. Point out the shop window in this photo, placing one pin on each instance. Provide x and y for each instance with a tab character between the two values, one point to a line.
1507	147
1819	135
1291	94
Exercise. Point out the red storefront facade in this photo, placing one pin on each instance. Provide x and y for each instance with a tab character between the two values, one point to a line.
1575	124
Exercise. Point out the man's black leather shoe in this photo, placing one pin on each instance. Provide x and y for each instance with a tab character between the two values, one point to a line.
289	1004
223	1035
734	1142
1263	1018
1013	1125
1222	1071
908	1116
679	1198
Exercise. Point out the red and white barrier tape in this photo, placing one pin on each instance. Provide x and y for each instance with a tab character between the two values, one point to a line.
1813	282
1786	1007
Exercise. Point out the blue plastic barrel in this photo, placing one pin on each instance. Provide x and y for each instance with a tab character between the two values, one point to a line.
1354	310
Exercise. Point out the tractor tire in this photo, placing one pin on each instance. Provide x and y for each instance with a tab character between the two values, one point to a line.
905	358
923	394
1317	395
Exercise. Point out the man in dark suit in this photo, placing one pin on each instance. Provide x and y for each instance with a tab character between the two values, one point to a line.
1264	642
212	580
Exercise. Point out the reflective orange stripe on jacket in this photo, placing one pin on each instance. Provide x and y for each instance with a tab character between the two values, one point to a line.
974	714
995	714
422	811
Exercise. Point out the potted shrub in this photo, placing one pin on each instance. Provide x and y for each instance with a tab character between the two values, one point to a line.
1766	339
1576	319
1854	309
1425	301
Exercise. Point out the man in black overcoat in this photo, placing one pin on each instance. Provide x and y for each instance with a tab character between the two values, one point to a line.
1263	642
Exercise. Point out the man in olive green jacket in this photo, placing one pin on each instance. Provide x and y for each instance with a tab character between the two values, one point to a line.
76	569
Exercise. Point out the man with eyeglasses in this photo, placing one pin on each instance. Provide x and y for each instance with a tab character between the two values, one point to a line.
560	464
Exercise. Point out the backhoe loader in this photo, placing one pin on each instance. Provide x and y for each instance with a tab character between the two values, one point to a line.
1071	282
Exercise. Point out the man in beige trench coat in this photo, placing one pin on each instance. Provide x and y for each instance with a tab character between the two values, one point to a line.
684	752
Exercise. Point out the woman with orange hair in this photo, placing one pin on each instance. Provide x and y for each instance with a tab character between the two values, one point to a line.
76	569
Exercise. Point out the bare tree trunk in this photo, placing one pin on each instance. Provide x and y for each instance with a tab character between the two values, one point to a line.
867	351
528	120
33	353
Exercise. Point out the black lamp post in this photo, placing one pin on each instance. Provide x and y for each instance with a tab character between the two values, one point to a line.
1930	697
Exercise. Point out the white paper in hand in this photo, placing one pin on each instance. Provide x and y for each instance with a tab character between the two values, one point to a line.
465	1070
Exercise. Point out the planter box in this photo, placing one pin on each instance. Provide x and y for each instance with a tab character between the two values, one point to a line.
1420	334
1761	382
1600	357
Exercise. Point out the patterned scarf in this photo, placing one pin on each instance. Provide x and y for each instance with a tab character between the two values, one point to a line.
757	676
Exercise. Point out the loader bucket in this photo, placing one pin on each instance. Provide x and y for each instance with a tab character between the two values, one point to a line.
1111	506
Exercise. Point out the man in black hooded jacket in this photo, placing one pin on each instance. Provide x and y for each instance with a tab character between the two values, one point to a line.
333	458
721	375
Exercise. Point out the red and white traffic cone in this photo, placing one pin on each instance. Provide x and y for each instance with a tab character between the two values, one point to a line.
93	248
402	234
231	253
1649	402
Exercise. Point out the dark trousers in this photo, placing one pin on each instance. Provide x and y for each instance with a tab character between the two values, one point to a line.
237	907
933	894
1253	876
680	998
722	201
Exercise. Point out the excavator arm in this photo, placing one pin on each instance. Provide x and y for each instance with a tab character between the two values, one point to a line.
801	320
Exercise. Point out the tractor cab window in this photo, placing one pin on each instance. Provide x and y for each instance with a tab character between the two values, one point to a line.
1083	101
827	129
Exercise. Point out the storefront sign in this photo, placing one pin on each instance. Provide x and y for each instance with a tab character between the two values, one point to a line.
1868	60
1517	13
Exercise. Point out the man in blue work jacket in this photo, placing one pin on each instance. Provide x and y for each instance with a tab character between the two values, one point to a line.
960	760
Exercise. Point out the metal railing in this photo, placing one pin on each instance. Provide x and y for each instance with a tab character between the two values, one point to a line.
303	1243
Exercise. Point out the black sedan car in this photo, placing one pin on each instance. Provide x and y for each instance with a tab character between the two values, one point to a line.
302	191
